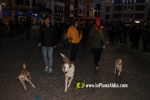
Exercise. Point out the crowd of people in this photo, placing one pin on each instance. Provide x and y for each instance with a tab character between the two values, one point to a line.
96	34
121	34
16	28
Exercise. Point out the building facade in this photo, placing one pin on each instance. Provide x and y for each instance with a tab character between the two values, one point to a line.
94	8
126	10
65	10
19	10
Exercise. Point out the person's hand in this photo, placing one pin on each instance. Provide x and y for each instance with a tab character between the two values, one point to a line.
39	45
54	46
70	38
107	42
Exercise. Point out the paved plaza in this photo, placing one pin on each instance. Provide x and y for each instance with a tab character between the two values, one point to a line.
19	50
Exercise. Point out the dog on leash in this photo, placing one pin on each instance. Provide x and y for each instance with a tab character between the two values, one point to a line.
68	68
118	66
25	76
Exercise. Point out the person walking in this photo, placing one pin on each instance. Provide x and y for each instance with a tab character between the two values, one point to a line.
2	33
98	38
47	42
74	35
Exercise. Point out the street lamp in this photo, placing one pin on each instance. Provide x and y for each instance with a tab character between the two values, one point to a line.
1	4
0	10
93	12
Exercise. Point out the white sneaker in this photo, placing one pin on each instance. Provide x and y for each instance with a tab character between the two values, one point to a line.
99	63
50	70
46	69
96	68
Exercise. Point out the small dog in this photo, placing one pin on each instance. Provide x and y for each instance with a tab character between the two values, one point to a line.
69	69
118	66
25	76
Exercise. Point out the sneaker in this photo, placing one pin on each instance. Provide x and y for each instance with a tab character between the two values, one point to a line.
50	70
96	68
46	69
143	52
99	63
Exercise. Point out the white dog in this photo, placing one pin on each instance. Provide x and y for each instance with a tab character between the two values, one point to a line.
69	69
118	66
25	76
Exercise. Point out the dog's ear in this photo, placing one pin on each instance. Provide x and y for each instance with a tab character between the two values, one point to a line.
121	60
116	60
65	58
24	65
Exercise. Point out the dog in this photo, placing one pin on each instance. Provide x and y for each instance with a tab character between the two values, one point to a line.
25	76
68	68
118	66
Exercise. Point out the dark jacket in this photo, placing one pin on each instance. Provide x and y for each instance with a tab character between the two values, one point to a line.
96	40
47	35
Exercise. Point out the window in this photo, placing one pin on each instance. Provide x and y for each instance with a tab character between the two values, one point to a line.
107	9
117	1
107	17
87	5
80	2
139	16
44	4
33	3
140	7
87	13
80	11
131	7
27	2
55	9
140	1
117	16
117	8
124	15
98	7
19	2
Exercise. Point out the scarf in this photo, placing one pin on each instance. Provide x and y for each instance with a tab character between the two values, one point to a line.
98	27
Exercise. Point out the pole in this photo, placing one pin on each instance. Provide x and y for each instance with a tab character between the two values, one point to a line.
97	11
1	16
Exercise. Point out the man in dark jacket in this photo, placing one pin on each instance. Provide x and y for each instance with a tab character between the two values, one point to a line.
47	40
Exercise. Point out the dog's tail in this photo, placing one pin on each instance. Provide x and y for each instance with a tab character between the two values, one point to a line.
24	65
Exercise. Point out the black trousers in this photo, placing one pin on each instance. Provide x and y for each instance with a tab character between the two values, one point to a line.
97	55
73	51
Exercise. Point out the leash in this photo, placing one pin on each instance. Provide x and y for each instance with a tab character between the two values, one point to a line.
33	56
70	50
113	51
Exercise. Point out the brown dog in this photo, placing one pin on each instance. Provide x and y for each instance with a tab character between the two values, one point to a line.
25	76
118	66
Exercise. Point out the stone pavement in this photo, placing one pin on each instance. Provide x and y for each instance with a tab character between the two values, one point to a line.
136	74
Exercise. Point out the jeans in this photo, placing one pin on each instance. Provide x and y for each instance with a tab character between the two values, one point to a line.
48	56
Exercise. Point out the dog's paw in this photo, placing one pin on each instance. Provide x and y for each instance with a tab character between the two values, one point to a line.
65	90
25	88
33	86
68	85
118	74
